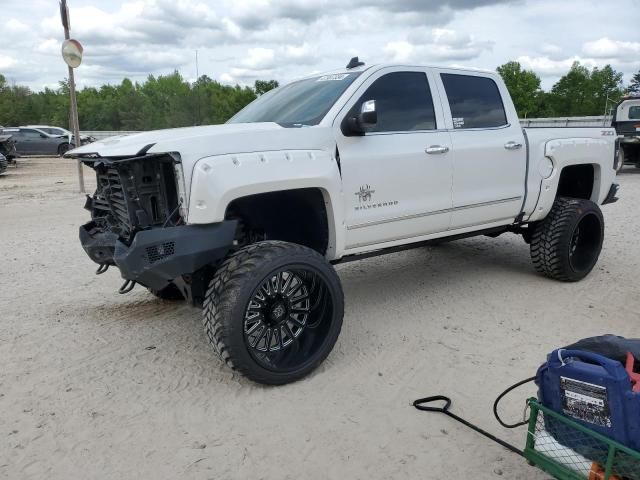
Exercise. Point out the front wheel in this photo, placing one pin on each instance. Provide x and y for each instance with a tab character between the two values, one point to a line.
274	311
566	245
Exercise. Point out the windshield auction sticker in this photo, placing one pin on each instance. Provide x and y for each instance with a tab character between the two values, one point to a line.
333	78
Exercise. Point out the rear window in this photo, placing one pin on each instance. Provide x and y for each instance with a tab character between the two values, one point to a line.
634	112
475	101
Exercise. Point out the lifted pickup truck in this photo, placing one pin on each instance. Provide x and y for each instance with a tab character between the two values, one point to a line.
247	218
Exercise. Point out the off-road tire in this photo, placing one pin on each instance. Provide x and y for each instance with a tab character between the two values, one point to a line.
170	292
233	285
552	240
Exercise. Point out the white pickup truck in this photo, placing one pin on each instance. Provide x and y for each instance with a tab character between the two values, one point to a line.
247	218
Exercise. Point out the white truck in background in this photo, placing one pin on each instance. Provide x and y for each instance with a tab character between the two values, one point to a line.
247	218
626	121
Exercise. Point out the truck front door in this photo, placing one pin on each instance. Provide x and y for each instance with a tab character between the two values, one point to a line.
397	177
488	149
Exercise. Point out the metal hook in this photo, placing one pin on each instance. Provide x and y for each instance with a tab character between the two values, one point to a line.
102	268
127	286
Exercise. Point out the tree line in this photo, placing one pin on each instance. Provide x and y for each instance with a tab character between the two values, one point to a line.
581	92
164	101
170	101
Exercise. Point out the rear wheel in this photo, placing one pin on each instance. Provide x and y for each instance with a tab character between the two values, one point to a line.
274	311
64	148
566	245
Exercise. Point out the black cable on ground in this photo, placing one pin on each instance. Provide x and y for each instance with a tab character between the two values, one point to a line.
501	396
421	404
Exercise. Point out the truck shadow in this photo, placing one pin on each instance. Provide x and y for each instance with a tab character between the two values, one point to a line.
374	288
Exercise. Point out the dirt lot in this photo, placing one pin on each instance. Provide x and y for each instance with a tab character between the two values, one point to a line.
94	384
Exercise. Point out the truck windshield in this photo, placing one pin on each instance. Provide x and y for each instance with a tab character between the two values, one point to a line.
297	104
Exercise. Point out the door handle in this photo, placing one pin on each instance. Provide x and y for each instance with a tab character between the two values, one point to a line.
513	146
436	149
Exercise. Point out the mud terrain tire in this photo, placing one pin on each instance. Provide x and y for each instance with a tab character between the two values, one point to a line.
255	291
566	245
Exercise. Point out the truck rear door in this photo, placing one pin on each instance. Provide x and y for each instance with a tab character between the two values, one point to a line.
488	149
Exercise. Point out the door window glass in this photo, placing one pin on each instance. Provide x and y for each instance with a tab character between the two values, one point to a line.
30	134
475	101
403	102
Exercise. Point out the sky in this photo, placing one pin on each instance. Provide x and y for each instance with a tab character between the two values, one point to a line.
239	41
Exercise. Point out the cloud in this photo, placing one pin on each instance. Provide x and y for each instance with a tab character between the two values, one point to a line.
607	48
15	26
261	62
548	66
439	45
259	58
49	46
7	62
243	40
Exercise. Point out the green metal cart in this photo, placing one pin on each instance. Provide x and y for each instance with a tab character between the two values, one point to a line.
597	458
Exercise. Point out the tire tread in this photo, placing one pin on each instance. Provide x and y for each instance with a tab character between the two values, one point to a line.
547	239
223	289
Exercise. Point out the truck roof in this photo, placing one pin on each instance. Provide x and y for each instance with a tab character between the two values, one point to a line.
379	66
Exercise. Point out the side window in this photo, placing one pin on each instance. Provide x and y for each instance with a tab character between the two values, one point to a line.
30	134
403	101
475	101
634	112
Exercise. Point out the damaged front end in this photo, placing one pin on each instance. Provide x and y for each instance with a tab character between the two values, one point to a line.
138	225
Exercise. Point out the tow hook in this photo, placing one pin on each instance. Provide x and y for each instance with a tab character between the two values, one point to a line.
127	286
102	268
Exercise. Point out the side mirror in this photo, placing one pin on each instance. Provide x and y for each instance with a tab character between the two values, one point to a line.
365	121
42	135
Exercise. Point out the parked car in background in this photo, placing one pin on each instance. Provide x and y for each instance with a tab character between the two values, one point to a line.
626	121
33	141
62	132
8	147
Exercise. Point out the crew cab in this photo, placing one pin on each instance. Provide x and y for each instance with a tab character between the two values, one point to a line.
248	218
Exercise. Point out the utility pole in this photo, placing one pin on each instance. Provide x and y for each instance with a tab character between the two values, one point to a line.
72	55
198	88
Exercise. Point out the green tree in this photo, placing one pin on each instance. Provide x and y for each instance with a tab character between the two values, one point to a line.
606	89
524	87
569	95
585	92
634	86
263	86
159	102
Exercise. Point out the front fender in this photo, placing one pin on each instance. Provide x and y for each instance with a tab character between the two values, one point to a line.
220	179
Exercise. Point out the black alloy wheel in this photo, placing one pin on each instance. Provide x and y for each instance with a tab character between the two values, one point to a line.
274	311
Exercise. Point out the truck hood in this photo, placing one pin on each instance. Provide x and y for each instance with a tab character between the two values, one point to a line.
195	143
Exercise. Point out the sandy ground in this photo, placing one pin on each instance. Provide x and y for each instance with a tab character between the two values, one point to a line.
98	385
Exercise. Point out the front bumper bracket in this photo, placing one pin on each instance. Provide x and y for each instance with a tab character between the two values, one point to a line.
158	256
